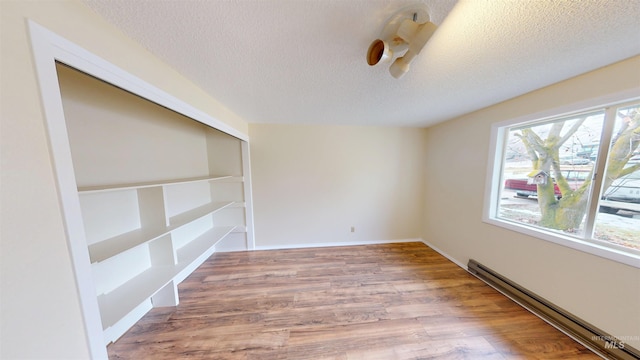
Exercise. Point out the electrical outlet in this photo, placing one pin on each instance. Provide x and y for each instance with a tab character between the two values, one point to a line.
353	229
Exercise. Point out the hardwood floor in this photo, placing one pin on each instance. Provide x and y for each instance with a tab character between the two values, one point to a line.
392	301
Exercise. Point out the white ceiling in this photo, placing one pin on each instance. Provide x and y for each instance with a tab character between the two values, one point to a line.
303	61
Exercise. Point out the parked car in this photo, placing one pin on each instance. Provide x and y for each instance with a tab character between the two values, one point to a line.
523	187
625	189
589	151
574	160
622	194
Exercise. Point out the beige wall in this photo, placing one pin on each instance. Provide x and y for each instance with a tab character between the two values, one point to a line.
311	184
39	307
600	291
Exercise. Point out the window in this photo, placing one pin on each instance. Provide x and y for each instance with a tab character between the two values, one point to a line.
572	179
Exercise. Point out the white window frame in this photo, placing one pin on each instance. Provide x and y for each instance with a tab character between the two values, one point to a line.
494	178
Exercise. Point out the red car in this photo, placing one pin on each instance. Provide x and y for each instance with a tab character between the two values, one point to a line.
524	189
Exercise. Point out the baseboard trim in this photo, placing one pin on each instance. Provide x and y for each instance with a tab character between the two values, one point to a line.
596	343
330	244
356	243
449	257
593	338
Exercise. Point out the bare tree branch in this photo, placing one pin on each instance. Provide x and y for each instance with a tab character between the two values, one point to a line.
562	182
534	140
530	149
628	170
572	131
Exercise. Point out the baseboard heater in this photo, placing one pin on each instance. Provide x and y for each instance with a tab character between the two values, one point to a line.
595	339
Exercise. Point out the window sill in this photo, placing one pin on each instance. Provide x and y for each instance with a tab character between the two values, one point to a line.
592	248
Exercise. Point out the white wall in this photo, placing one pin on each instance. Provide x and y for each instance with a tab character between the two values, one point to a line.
120	138
39	308
600	291
311	184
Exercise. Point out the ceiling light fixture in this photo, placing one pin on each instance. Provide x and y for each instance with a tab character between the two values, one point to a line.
407	30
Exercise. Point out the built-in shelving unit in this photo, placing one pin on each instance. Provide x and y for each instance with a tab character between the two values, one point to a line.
159	193
113	246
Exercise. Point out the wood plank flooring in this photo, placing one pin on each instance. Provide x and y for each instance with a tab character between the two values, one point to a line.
391	301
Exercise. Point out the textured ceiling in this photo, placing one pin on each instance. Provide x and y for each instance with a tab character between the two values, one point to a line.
304	61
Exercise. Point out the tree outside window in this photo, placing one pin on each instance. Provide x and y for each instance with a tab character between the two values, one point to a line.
549	176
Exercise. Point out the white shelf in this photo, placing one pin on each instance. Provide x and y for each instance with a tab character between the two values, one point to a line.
190	252
238	204
197	213
231	178
116	304
111	247
142	185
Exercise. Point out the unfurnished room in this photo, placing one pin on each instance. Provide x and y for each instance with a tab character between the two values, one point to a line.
320	179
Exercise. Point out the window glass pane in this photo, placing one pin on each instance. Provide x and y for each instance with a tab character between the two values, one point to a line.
547	171
618	221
